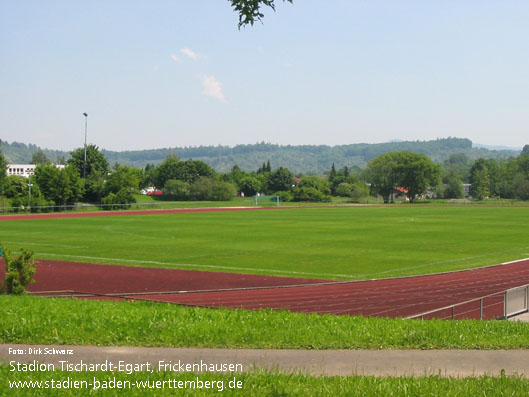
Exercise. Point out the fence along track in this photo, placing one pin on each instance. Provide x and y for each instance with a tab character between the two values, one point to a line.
499	305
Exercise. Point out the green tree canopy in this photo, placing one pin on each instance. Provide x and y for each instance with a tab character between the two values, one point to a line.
206	188
122	177
314	182
176	190
3	169
381	173
417	173
413	171
62	186
96	162
39	157
188	171
280	180
454	186
480	179
250	185
15	185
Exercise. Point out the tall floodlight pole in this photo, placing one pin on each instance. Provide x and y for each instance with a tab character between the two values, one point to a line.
29	193
85	128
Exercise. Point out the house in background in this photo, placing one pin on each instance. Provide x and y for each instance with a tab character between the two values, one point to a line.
25	170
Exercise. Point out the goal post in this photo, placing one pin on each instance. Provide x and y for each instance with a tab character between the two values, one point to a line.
267	201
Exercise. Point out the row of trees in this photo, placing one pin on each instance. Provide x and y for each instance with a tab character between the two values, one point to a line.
61	186
415	174
502	178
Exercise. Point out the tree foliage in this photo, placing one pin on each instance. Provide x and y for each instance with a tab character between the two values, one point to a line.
250	10
122	177
453	185
413	171
19	271
279	180
250	185
15	185
176	190
306	159
207	188
96	162
480	180
381	173
39	157
3	168
188	171
16	188
416	173
61	186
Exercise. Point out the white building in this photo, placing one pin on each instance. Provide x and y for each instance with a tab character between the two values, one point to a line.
25	170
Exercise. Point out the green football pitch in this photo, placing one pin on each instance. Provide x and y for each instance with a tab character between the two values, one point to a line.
331	243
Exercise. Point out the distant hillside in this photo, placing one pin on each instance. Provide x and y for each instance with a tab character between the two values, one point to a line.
307	159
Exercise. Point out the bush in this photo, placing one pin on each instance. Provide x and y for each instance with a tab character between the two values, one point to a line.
121	199
521	187
19	272
285	196
344	189
310	194
210	189
176	190
223	191
316	183
36	203
360	192
250	185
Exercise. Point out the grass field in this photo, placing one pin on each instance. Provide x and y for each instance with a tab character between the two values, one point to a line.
337	243
83	322
333	243
274	384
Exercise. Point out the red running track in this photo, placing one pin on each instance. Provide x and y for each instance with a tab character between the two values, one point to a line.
398	297
110	279
56	215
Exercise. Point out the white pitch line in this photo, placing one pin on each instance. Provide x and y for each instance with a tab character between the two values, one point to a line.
447	261
195	265
45	245
348	276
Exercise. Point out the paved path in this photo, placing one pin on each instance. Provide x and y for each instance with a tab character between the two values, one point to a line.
459	363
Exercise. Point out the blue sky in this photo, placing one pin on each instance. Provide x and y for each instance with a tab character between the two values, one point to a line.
154	74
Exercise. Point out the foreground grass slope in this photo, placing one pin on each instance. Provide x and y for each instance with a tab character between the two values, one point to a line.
333	243
274	384
85	322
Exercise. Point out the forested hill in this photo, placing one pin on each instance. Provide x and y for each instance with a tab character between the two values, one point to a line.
307	159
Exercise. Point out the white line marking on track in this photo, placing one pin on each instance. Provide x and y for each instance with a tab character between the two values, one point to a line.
195	265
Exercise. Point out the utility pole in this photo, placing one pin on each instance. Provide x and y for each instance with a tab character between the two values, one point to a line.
85	129
29	193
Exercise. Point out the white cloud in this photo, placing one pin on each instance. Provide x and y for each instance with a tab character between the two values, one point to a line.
189	53
212	88
175	58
